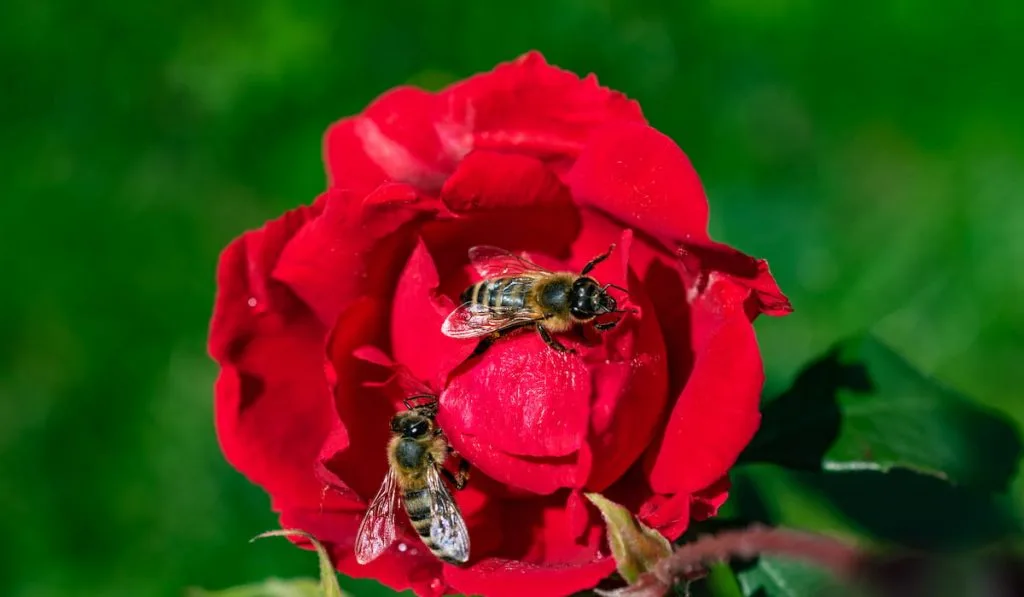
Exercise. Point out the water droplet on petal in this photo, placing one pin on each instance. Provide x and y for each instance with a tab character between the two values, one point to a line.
252	301
402	547
436	584
414	552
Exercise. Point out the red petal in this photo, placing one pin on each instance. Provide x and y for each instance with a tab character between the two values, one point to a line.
705	503
540	530
658	271
630	382
477	426
511	201
577	515
415	568
272	403
670	515
520	383
499	577
523	398
349	167
716	414
766	296
417	313
366	405
570	532
514	193
246	295
686	272
536	475
528	106
489	180
337	441
641	177
727	399
547	546
393	140
409	135
361	461
354	248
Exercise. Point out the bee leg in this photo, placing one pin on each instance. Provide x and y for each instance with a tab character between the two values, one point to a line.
484	344
593	262
460	478
603	327
545	335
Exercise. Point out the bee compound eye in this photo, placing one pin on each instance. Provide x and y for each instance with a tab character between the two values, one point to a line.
418	428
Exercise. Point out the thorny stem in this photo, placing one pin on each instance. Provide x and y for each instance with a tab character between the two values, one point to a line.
689	560
888	574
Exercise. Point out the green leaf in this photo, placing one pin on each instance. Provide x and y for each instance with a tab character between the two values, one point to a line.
863	407
272	587
328	579
772	576
721	581
636	547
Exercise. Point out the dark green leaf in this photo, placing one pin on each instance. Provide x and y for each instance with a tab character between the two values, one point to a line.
721	581
780	577
863	407
885	508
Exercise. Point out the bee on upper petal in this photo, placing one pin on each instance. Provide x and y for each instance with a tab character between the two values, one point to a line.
515	293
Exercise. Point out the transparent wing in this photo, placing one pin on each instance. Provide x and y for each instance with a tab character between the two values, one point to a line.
495	262
472	320
410	384
448	530
377	530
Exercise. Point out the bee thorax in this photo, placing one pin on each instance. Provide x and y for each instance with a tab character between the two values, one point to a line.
554	295
409	454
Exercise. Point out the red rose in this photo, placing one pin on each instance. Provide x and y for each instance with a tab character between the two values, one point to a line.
314	305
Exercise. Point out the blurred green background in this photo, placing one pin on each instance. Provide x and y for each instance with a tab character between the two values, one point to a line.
872	152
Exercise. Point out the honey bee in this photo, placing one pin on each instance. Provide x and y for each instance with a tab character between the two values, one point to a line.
416	455
515	293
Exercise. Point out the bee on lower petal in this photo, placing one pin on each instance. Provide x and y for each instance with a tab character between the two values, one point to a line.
516	293
416	455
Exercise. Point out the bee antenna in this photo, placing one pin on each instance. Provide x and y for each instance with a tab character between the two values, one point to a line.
410	404
616	287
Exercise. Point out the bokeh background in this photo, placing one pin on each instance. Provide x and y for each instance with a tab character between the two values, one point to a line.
873	152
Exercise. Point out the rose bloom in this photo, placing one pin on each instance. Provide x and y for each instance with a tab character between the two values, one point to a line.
316	309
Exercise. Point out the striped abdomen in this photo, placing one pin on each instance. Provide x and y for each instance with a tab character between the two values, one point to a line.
509	293
417	506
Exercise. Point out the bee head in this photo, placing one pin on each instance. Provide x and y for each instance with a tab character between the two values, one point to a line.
588	299
604	303
411	424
